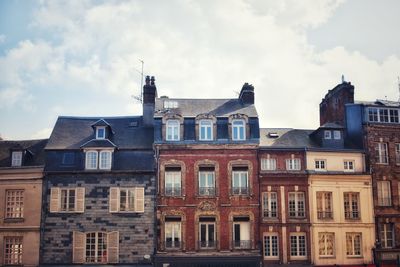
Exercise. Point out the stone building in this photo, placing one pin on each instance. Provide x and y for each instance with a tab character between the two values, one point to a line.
21	174
208	192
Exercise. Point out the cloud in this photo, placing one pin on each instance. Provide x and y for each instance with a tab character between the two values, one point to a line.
43	133
2	38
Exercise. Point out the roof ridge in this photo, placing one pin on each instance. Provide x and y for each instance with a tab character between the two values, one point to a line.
99	117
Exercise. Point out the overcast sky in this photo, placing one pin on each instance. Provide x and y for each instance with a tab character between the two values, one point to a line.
81	58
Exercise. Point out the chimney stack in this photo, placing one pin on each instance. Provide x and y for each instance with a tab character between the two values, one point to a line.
149	99
246	95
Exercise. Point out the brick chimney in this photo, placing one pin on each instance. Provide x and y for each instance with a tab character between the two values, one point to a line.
246	95
149	98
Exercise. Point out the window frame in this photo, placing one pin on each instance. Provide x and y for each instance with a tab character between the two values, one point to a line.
240	187
346	165
349	212
238	129
13	250
384	235
16	158
168	175
209	244
298	240
337	135
268	164
324	199
320	165
298	213
325	241
384	193
173	232
107	162
210	189
397	153
382	155
100	129
271	203
327	134
271	244
15	202
68	199
172	130
293	164
208	136
353	236
103	258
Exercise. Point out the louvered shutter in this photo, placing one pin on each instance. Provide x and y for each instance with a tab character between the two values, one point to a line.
114	199
139	199
79	244
80	199
113	247
54	199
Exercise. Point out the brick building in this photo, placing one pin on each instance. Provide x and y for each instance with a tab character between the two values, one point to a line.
21	174
208	193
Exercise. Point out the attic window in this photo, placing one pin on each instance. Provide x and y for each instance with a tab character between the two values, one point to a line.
170	104
16	158
100	132
273	135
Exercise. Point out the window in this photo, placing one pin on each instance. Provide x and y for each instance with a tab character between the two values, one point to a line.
103	162
298	245
238	130
394	115
268	164
381	153
353	244
100	132
324	205
173	233
397	148
207	232
383	115
67	199
12	250
387	235
296	204
320	165
373	114
95	247
206	181
326	244
293	164
240	181
206	130
384	193
173	130
173	181
336	135
348	165
241	233
129	199
14	204
352	205
170	104
327	134
16	160
270	205
271	250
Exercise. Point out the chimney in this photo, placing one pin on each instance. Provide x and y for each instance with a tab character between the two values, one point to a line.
246	95
149	98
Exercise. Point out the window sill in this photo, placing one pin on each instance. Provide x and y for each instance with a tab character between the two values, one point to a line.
13	220
354	256
270	219
206	196
327	257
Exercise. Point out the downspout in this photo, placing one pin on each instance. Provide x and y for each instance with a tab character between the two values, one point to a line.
157	158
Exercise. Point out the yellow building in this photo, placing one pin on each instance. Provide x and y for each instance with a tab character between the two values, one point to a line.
341	207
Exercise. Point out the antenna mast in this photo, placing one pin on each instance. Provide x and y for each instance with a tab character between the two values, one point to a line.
139	98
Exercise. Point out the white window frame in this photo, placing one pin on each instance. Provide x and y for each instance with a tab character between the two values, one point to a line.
387	235
268	164
16	158
240	175
174	178
298	210
337	135
271	246
98	129
352	251
323	237
327	134
299	238
270	205
293	164
352	210
96	258
320	164
209	243
238	127
90	160
105	157
176	233
102	159
383	115
14	204
349	165
208	189
13	250
324	205
68	192
206	127
172	130
384	193
382	153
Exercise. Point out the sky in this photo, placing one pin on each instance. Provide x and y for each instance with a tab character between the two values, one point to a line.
83	58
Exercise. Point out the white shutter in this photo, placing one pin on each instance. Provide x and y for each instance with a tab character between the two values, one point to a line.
113	247
79	244
54	199
139	199
114	199
80	199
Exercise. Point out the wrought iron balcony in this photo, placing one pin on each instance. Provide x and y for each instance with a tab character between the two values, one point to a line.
207	244
170	191
242	244
324	215
172	244
352	215
269	213
240	190
207	191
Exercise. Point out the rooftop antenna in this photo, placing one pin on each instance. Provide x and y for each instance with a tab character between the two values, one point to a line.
139	98
343	78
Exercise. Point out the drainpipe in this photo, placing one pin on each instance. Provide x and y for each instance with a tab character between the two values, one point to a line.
157	158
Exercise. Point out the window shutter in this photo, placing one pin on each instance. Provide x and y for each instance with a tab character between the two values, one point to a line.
79	244
113	247
80	199
139	199
114	199
54	199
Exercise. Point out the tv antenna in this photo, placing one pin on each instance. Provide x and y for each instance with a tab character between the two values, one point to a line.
139	98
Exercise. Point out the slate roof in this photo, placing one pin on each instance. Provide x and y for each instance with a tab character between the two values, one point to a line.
98	143
73	132
331	125
35	151
194	107
379	102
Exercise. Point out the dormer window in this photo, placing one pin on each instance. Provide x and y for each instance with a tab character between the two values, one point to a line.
98	159
16	158
100	132
327	134
238	130
336	135
172	130
206	130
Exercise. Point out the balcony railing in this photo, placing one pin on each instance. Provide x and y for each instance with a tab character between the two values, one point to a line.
269	213
207	191
169	191
242	244
352	215
173	244
240	190
384	201
207	244
322	215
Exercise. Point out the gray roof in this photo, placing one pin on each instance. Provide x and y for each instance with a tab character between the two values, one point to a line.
331	125
34	149
380	103
194	107
73	132
286	138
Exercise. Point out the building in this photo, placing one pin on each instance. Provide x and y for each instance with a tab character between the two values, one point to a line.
99	190
285	217
208	192
21	174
